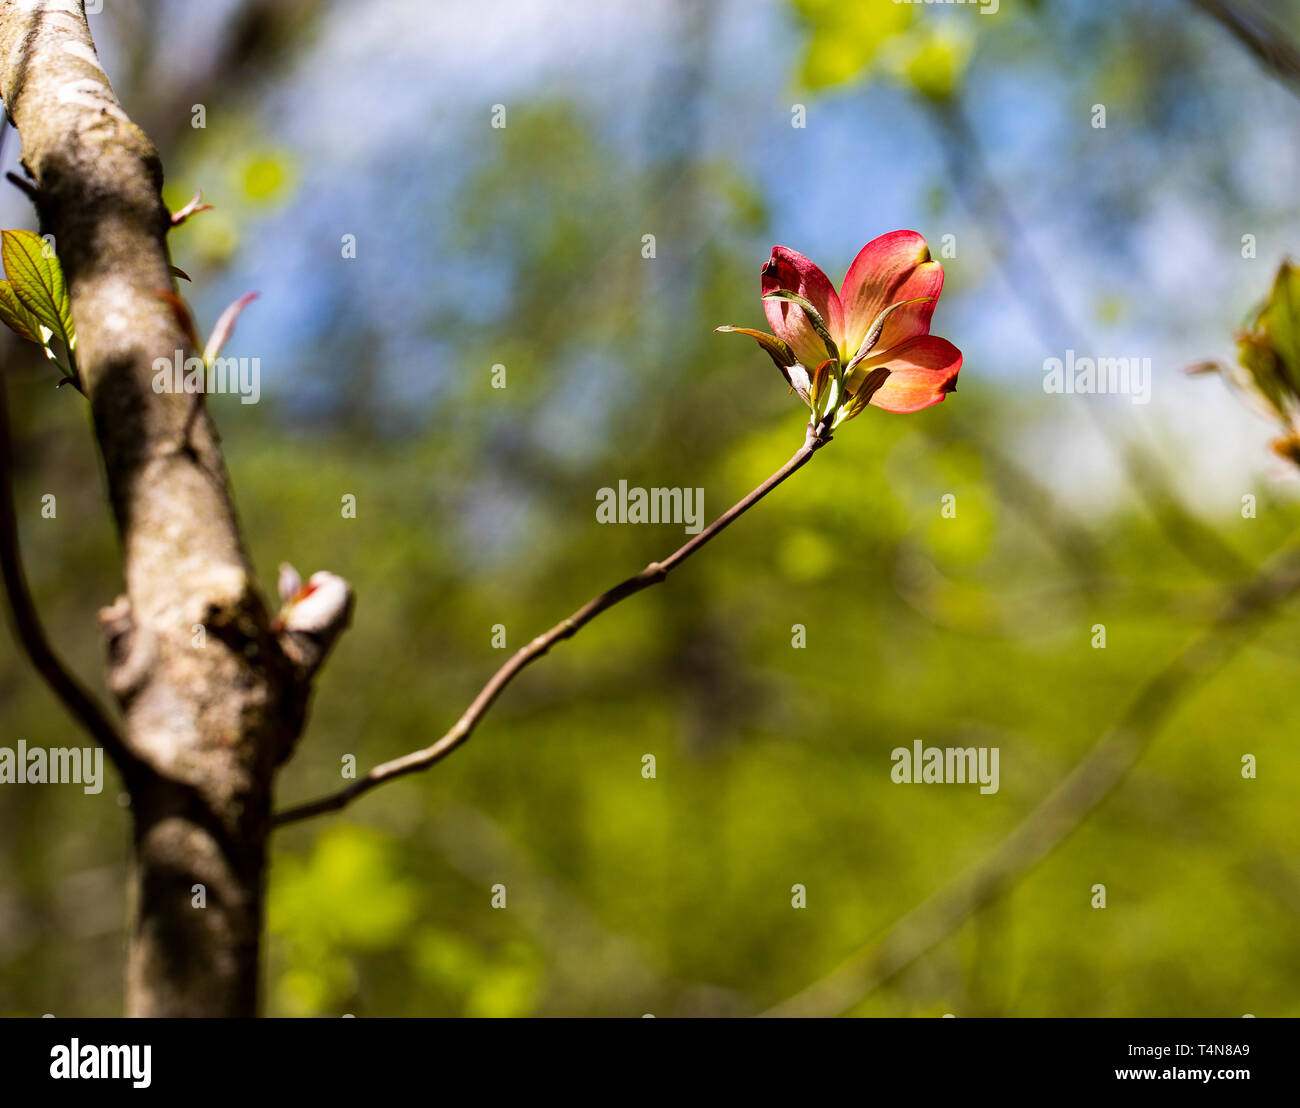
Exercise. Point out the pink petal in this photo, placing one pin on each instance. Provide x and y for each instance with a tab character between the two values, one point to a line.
788	269
894	267
922	371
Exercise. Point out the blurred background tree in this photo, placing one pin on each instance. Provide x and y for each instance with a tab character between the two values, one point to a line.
522	246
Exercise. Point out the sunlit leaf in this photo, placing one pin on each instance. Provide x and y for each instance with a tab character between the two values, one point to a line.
37	279
1280	322
814	317
777	348
877	326
1268	354
14	314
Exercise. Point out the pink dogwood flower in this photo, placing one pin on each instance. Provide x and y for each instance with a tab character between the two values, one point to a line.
869	343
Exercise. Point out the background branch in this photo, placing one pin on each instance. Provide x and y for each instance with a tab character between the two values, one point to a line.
1259	34
1064	809
1031	283
29	632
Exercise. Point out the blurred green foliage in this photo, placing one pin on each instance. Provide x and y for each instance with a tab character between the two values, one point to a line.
846	42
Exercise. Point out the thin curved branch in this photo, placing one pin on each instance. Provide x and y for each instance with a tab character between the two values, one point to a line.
83	707
1063	810
654	573
1032	285
1259	34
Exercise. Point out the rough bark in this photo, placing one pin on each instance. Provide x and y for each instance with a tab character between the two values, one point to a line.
204	713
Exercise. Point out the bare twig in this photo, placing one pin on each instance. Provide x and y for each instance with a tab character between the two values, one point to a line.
654	573
25	187
1259	34
27	624
1063	810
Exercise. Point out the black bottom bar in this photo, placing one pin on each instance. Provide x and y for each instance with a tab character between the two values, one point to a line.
1240	1059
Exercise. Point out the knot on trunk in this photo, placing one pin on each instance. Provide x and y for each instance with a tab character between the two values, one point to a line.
132	650
312	617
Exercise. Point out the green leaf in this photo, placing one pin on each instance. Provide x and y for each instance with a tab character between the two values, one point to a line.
861	398
1269	353
878	326
17	318
1262	371
37	279
814	317
1280	321
826	387
778	348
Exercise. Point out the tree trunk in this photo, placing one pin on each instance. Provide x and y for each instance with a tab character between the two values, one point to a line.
206	692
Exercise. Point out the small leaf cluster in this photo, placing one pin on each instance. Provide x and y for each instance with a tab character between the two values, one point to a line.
1268	360
34	301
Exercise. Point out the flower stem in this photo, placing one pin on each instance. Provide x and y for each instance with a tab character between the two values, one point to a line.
655	572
